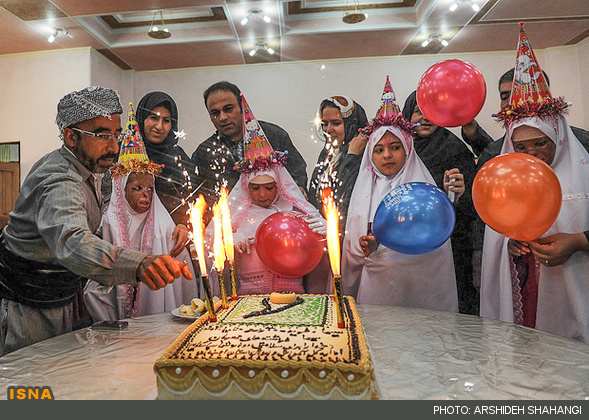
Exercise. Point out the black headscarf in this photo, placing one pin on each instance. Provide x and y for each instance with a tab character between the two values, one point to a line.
352	123
168	153
441	146
346	171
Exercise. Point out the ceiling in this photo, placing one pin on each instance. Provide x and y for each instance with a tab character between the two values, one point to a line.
210	33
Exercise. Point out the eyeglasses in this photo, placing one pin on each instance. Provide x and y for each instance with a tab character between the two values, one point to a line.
101	136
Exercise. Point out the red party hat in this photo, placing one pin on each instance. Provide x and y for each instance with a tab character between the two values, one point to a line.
530	94
388	112
257	151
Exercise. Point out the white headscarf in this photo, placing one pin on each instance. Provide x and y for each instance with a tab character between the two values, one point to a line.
246	217
388	277
151	233
563	291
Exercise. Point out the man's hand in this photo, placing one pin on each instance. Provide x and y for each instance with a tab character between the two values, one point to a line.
557	249
180	237
157	271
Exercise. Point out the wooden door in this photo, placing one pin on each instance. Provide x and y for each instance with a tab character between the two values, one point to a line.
9	188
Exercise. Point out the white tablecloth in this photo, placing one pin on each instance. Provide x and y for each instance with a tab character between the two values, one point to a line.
417	354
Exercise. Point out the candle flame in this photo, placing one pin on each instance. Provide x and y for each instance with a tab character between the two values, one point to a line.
197	210
226	223
218	248
331	215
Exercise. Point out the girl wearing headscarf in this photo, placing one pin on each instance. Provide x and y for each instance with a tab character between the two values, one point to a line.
258	195
542	284
264	188
441	151
371	272
136	219
339	161
157	118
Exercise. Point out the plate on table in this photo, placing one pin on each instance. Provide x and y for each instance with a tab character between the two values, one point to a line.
176	312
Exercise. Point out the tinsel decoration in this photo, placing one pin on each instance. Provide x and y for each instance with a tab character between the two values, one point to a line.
543	108
135	165
396	120
262	163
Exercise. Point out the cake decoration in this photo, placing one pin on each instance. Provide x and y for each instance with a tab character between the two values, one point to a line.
301	356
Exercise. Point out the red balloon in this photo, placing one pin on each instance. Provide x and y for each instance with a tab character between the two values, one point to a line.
287	246
517	195
451	93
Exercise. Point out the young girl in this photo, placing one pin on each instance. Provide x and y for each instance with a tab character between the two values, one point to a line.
264	188
371	272
257	196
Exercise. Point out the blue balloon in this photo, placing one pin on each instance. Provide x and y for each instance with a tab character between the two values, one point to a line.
414	218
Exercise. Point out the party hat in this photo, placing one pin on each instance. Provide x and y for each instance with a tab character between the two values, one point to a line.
388	112
388	102
133	156
257	151
530	93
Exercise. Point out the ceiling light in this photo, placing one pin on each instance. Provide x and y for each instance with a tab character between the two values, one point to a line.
264	17
354	16
473	5
158	32
261	46
52	37
435	37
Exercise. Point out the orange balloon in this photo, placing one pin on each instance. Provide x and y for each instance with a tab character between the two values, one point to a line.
517	195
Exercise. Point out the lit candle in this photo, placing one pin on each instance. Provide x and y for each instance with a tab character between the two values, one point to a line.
196	216
219	252
228	239
333	249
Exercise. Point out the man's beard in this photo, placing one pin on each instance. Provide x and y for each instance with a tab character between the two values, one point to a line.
91	164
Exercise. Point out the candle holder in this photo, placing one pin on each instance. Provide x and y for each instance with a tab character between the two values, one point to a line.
233	280
223	289
338	296
209	298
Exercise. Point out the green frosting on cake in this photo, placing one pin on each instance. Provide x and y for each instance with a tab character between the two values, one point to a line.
312	312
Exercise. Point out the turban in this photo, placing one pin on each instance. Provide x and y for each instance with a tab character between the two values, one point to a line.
86	104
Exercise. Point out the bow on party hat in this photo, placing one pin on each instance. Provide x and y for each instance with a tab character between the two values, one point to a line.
388	113
132	155
258	154
530	94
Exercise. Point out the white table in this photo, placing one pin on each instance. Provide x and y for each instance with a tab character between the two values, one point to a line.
417	354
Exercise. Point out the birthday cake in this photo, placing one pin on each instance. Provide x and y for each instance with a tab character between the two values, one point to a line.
261	350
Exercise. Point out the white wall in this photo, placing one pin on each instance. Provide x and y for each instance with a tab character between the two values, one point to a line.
104	73
287	94
31	86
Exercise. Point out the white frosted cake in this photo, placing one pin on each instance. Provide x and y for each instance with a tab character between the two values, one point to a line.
261	350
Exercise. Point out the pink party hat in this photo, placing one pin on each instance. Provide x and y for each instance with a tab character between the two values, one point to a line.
388	112
530	94
388	102
257	151
133	156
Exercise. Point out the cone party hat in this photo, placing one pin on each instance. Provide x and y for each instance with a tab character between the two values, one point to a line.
257	152
530	93
388	112
133	156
